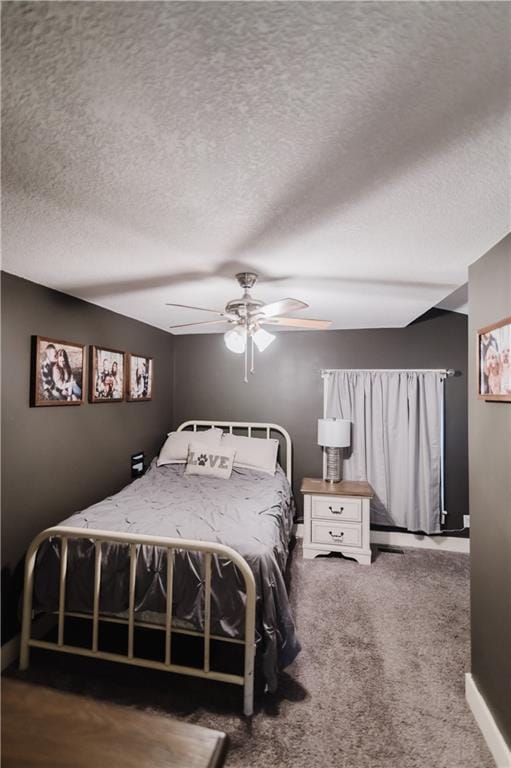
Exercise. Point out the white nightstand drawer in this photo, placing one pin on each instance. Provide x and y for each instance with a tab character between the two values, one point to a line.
337	508
336	534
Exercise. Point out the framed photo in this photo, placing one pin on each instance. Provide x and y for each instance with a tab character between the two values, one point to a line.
58	372
494	361
107	380
140	378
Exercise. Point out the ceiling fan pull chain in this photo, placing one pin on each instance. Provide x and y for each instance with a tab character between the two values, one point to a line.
251	354
246	364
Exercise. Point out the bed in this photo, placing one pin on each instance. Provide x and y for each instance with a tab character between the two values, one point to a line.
183	555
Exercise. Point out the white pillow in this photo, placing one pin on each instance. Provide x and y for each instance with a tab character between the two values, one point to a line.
175	448
253	452
216	462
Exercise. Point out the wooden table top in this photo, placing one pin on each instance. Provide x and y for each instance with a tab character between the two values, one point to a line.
42	727
343	488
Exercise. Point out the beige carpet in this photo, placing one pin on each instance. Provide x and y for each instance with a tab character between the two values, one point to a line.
379	682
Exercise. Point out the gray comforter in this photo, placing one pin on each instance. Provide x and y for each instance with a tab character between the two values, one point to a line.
251	512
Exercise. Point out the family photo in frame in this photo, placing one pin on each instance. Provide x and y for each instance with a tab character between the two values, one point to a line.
140	378
494	361
58	369
107	380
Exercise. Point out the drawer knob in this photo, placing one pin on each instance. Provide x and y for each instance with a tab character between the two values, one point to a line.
336	535
336	511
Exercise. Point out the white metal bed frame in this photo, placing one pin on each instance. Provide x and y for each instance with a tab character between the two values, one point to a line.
207	548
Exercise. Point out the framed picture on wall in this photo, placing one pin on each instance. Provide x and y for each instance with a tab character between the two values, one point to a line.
494	361
107	375
140	378
58	372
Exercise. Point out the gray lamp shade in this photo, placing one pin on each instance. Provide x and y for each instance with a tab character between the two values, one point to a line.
334	433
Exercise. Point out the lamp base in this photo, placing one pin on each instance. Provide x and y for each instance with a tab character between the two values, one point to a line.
333	465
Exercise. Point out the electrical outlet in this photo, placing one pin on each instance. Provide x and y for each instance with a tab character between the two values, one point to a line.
466	521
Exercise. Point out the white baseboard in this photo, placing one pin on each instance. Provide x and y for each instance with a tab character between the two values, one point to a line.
10	651
394	539
487	725
421	541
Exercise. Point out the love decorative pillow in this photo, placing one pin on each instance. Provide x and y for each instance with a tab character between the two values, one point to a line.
253	452
175	448
215	462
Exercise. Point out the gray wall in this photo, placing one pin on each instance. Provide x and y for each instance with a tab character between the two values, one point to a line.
287	387
490	498
61	459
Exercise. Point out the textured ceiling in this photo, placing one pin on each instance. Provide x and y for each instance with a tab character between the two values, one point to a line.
355	154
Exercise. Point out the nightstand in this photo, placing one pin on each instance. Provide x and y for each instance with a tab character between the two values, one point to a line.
336	518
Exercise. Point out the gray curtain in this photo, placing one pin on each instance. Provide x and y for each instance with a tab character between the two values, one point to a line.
396	441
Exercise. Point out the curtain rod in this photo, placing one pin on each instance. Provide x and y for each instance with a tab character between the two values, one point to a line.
445	371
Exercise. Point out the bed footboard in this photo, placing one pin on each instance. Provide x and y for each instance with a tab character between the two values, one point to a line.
208	549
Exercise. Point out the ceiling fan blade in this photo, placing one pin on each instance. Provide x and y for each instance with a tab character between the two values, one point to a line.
279	307
204	322
298	322
200	309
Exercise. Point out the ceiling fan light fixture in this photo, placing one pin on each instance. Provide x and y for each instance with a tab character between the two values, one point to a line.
236	340
245	317
262	339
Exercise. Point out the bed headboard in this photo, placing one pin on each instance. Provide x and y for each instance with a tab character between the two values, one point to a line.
252	429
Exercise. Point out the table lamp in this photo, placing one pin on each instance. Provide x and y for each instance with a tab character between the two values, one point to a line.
333	434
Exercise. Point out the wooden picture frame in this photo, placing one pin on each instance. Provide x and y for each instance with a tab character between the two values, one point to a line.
139	383
494	361
58	372
107	375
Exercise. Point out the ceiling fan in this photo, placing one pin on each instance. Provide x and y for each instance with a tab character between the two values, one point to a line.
247	315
